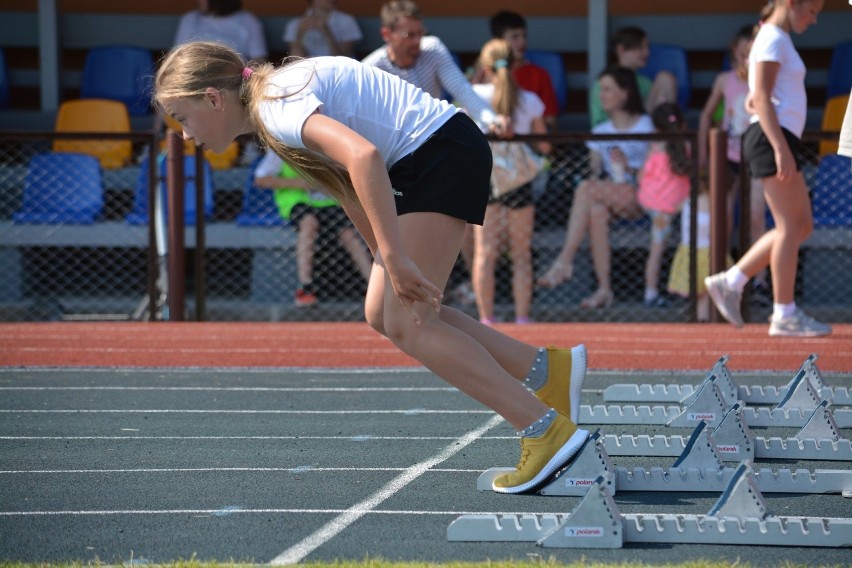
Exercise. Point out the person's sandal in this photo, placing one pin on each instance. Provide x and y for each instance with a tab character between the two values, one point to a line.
558	273
600	299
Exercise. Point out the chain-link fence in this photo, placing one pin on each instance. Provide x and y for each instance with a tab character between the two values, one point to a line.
76	242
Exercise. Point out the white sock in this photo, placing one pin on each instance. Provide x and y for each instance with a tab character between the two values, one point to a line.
781	311
651	294
736	279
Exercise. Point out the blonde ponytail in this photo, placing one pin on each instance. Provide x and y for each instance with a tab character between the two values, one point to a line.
189	69
497	56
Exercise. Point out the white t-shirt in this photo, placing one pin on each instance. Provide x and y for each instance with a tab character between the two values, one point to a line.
241	30
788	96
635	150
434	71
846	132
529	107
343	27
394	115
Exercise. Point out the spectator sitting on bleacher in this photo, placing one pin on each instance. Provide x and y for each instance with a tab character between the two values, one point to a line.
311	211
629	48
663	188
323	30
227	22
512	27
596	199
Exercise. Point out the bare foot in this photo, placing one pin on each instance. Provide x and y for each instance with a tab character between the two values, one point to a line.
600	299
558	273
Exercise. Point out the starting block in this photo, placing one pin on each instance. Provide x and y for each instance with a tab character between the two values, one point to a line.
709	404
739	516
758	394
699	468
819	439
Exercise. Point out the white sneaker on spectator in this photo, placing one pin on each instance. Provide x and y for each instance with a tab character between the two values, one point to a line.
727	301
799	324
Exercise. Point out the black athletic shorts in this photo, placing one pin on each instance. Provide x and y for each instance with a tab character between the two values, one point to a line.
517	198
450	173
759	154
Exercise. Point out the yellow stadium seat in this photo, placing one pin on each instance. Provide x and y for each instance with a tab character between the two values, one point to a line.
832	120
222	161
95	115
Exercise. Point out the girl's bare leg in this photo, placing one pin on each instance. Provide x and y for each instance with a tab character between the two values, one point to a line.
449	352
779	247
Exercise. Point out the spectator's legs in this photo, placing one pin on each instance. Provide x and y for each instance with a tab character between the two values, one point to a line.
663	90
520	224
354	245
308	231
562	268
486	251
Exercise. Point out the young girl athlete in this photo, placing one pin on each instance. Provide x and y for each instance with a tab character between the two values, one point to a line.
410	172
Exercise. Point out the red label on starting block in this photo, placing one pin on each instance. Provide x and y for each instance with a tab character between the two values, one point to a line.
728	449
582	532
701	416
578	482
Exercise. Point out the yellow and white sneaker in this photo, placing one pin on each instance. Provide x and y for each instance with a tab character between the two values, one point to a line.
566	371
542	457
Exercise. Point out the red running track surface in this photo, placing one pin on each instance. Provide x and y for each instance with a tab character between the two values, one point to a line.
620	346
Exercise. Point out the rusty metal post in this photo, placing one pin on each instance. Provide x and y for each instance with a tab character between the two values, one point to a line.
177	249
153	252
200	242
718	205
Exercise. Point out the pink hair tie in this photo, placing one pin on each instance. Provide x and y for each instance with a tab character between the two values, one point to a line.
247	71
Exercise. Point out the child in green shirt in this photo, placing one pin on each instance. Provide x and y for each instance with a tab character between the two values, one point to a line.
310	211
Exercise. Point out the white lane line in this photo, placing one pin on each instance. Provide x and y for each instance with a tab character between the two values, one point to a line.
300	550
296	469
191	369
236	411
239	389
356	438
360	512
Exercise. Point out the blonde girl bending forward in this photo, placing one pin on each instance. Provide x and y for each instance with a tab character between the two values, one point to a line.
410	171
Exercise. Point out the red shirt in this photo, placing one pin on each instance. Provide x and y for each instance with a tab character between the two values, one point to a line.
533	78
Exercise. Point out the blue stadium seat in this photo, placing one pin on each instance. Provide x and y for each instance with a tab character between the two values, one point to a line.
839	80
122	73
4	80
555	67
671	58
830	192
63	188
139	214
259	207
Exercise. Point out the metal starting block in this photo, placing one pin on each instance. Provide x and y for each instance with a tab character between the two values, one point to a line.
757	394
699	468
819	439
708	404
739	517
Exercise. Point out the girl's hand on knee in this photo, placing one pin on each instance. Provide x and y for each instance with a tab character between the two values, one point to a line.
410	286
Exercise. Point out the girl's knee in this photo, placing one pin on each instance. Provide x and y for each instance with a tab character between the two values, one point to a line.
375	319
